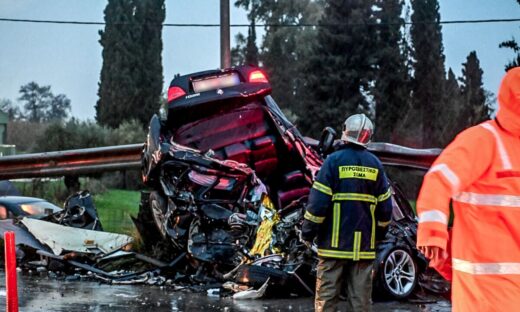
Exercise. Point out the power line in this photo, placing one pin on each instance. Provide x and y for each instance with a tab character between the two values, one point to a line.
476	21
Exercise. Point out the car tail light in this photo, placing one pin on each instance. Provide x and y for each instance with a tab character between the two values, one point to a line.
175	93
257	76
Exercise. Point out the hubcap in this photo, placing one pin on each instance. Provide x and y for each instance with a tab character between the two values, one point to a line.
399	272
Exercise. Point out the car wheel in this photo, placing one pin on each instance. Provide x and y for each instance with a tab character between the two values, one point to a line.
398	273
158	209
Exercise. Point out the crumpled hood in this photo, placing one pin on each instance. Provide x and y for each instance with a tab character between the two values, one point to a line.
509	101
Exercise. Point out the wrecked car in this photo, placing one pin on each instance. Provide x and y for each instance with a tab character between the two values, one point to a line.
14	206
71	233
78	211
230	176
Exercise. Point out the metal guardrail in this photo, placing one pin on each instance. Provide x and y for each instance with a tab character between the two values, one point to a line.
72	162
113	158
397	155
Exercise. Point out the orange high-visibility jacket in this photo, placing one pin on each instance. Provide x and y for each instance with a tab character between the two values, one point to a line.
480	173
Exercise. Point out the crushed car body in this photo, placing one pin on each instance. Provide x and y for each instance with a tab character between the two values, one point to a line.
230	176
61	238
70	236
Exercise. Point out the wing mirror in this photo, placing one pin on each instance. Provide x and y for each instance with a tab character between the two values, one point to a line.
326	143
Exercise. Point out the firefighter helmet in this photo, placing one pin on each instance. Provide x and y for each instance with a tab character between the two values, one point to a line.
357	129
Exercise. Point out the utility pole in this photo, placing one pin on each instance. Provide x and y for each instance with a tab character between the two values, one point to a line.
225	45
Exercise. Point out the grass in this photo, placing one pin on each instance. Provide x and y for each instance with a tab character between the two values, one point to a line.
114	209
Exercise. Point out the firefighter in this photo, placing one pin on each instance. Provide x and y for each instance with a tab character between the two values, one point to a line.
479	173
348	206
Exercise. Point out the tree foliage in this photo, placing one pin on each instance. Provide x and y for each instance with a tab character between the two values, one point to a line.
12	110
284	50
246	51
475	109
341	66
391	89
40	104
512	45
362	58
452	111
429	70
75	134
36	100
131	77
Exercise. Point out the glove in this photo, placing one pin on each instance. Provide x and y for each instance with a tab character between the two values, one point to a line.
440	260
307	243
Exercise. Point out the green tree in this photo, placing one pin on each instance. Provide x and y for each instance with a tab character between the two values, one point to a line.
238	52
284	50
131	76
429	71
392	85
149	16
341	66
245	51
453	109
475	108
75	134
41	104
59	108
117	86
251	55
13	111
35	100
513	45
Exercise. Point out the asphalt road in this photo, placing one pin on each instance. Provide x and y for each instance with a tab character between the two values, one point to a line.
45	294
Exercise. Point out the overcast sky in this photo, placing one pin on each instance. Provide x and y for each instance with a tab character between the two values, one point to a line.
68	57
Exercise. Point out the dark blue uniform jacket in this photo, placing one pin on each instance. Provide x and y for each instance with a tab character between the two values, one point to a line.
349	200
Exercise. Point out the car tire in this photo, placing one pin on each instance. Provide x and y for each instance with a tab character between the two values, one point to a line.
158	210
398	273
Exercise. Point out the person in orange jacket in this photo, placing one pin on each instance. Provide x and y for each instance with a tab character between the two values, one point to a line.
479	173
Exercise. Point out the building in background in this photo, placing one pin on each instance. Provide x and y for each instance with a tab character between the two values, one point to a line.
5	149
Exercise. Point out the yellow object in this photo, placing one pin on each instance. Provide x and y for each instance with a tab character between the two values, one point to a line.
358	172
264	233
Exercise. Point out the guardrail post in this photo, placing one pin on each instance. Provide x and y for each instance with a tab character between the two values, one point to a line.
10	273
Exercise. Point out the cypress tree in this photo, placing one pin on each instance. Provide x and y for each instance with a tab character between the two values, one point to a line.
284	49
251	50
251	55
391	89
341	66
453	107
475	109
246	50
149	17
238	52
429	78
131	76
116	87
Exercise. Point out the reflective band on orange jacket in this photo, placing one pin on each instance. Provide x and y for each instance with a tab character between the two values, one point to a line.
480	173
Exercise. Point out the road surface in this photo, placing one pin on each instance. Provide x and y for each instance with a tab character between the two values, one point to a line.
48	294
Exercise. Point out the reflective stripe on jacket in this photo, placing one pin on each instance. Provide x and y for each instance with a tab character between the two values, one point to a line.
479	172
349	200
